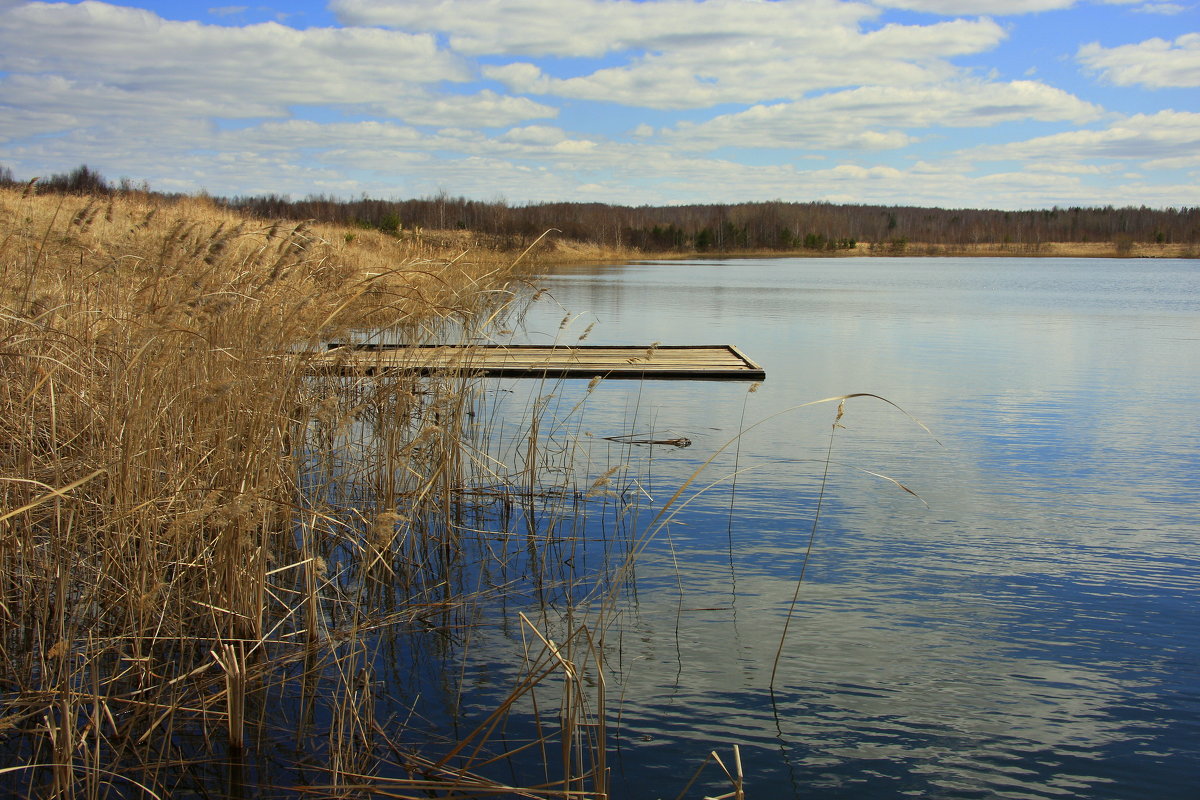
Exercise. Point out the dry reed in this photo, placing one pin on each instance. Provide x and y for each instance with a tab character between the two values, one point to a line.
175	550
202	542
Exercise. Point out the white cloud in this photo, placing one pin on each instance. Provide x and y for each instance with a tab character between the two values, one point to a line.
973	7
874	117
676	54
542	135
1015	7
756	71
1167	9
485	109
111	85
589	28
1149	140
303	134
231	71
667	178
521	76
131	43
959	187
939	40
1155	63
91	102
1184	162
536	162
188	105
360	142
865	173
1077	168
17	121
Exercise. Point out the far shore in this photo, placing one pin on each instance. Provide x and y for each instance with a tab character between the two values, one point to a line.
567	251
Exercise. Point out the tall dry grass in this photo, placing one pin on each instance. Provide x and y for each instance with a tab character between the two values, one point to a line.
175	550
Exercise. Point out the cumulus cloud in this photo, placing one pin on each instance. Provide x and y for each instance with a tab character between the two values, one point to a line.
960	187
1155	63
132	45
1015	7
465	93
231	72
89	101
1151	140
948	185
542	135
939	40
480	110
536	162
132	93
971	7
1167	9
304	134
16	121
592	28
676	54
753	71
875	117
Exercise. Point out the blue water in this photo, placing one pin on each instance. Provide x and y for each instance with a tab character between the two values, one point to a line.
1026	627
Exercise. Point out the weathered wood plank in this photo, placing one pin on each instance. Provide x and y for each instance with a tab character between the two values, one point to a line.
656	362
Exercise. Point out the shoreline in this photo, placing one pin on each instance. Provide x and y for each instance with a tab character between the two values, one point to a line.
568	251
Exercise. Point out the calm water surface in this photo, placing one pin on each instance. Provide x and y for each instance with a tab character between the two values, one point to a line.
1028	627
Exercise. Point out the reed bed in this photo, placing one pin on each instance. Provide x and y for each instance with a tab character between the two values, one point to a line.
200	541
226	574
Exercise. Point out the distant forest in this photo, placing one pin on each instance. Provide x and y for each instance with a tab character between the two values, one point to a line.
773	225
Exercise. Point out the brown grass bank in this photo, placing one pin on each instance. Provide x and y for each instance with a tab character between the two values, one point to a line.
163	571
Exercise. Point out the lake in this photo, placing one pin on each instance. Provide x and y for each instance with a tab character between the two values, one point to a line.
1000	580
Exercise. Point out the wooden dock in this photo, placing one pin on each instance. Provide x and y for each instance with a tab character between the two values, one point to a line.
661	362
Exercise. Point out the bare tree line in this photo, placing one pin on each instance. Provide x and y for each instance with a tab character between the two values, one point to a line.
772	225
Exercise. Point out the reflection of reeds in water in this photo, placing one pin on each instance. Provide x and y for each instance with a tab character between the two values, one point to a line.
492	526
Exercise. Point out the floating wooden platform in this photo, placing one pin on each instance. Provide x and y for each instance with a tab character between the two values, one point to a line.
663	362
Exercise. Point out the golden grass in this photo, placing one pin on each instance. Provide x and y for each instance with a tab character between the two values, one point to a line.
169	542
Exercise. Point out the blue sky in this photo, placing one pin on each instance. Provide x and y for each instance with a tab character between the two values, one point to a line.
954	103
